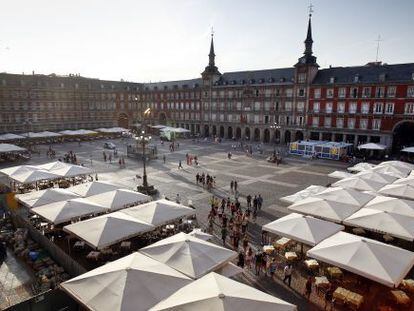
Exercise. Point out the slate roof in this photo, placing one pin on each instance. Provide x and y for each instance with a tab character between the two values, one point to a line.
192	83
280	75
367	74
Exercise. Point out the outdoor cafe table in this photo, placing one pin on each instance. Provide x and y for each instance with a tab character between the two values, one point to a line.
291	256
126	245
334	272
281	243
408	285
93	255
311	264
352	299
321	282
268	249
400	297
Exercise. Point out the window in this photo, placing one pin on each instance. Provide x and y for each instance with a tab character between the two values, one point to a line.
377	108
289	92
266	119
354	92
288	106
391	91
328	107
316	107
366	92
379	92
341	107
315	121
339	123
342	92
256	119
299	120
302	78
410	91
317	93
389	108
409	108
301	92
376	124
328	122
329	93
351	123
238	106
256	106
352	107
363	124
300	106
365	108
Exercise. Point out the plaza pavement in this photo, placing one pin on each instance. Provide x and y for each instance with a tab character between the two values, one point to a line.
253	174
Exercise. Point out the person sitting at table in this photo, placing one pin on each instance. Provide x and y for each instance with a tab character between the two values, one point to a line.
329	297
288	273
308	287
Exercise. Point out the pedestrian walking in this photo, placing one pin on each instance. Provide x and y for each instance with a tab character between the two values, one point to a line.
240	261
223	234
177	199
288	274
249	258
235	185
258	262
249	201
179	165
259	202
231	186
329	297
308	287
163	158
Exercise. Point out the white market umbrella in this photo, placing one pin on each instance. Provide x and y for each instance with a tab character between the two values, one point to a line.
5	148
34	176
304	229
318	207
47	196
198	233
392	205
340	175
406	180
396	171
106	230
403	191
60	212
374	260
345	195
374	175
17	170
229	270
397	163
72	171
372	146
300	195
55	165
397	225
159	212
408	149
218	293
93	188
119	198
11	136
359	184
360	167
132	283
189	255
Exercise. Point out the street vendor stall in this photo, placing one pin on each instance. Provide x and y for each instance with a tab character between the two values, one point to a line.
320	149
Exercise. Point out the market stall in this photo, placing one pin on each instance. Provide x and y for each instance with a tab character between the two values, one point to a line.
321	149
11	153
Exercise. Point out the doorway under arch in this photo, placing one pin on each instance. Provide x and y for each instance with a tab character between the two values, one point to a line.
221	131
123	120
162	118
247	133
287	137
403	135
256	134
214	130
230	133
266	136
238	133
206	131
298	136
277	137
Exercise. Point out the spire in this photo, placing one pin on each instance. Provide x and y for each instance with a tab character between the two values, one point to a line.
309	41
211	55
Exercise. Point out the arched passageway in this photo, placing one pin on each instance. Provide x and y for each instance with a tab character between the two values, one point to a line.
287	137
298	136
221	134
238	133
230	133
247	133
403	135
256	134
123	120
266	136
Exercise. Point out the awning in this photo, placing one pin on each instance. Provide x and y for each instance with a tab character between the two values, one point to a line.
408	149
10	136
372	146
7	148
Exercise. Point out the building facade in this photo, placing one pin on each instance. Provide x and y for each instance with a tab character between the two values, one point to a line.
371	103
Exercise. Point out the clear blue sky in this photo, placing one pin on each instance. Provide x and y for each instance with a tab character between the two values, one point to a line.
157	40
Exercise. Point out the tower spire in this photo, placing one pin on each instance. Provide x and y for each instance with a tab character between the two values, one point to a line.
211	55
309	41
211	70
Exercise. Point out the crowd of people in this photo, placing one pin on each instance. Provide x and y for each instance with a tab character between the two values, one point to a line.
205	180
70	157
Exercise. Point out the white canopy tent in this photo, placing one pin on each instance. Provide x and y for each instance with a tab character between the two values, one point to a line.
374	260
93	188
392	205
403	191
406	180
159	126
345	195
17	170
160	212
64	211
119	198
229	270
359	183
326	209
303	194
379	177
47	196
304	229
218	293
112	130
408	149
340	174
55	165
72	171
174	129
135	282
200	234
10	136
396	171
7	148
397	225
189	255
396	163
34	176
106	230
372	146
360	167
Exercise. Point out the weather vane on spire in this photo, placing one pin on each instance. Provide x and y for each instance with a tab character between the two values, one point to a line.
310	8
212	31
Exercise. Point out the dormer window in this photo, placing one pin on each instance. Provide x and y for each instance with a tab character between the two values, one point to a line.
382	77
332	80
252	81
282	79
356	78
271	80
412	76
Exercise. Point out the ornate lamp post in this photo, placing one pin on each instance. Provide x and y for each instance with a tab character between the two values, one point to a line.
275	126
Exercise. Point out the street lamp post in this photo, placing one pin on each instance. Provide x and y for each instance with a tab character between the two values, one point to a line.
275	126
